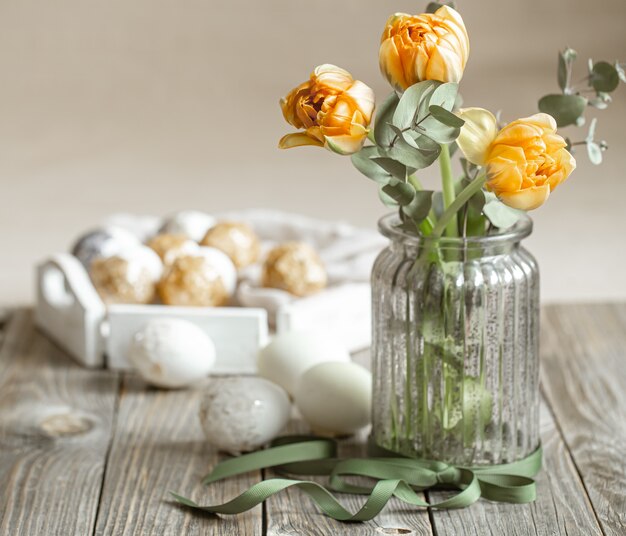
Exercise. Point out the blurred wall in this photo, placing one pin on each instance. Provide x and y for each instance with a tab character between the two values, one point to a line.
152	106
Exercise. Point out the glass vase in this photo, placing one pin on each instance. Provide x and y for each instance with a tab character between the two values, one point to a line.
455	346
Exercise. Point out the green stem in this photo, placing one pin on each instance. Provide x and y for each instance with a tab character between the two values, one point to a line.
450	213
447	182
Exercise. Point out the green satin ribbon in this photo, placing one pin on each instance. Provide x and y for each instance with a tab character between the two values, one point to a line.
396	476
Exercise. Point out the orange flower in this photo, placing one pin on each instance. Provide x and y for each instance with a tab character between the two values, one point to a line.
333	109
525	161
431	46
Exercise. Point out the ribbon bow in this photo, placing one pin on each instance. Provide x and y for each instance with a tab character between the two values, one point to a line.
396	476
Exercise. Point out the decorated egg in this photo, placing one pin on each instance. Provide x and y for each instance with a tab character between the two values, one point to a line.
335	398
192	223
171	246
205	278
236	239
239	414
294	267
172	353
103	242
127	277
290	354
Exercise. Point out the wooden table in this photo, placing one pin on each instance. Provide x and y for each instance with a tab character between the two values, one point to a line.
87	452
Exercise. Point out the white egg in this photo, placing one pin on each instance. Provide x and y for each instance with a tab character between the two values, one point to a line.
222	263
192	223
142	257
290	354
103	242
169	352
243	413
335	398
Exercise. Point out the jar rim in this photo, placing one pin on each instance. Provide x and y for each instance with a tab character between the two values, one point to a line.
388	227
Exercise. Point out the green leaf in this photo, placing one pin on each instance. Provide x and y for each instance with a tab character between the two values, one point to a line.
444	97
469	169
570	55
591	134
408	107
500	214
419	207
446	117
382	133
439	132
398	170
401	192
386	200
477	202
364	163
454	146
594	152
599	103
434	6
604	77
410	156
566	109
562	71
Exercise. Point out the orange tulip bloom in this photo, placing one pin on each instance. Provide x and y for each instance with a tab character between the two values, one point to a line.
332	108
431	46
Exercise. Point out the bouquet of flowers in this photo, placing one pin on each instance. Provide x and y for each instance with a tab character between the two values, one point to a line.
507	169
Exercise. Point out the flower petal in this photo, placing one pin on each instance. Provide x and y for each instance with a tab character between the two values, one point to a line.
297	140
346	144
477	134
527	199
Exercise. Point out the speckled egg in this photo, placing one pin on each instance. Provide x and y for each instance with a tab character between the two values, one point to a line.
294	267
237	239
127	277
170	246
240	414
205	278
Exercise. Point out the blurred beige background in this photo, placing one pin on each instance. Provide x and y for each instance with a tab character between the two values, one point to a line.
152	106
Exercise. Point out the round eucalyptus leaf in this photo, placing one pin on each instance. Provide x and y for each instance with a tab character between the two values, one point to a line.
446	117
604	77
565	109
382	133
594	152
401	192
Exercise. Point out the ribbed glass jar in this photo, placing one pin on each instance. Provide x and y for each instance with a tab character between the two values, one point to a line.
455	346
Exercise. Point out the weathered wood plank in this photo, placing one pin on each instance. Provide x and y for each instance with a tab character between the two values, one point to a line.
584	378
55	427
561	507
159	446
293	513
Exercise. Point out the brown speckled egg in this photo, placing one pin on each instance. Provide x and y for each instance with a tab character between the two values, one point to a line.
236	239
294	267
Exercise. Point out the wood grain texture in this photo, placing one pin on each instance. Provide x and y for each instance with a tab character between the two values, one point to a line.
293	513
584	379
561	507
159	446
55	426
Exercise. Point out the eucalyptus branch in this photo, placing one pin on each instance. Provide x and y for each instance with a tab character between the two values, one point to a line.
463	197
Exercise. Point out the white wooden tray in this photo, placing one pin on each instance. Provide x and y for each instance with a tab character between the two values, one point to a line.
71	312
